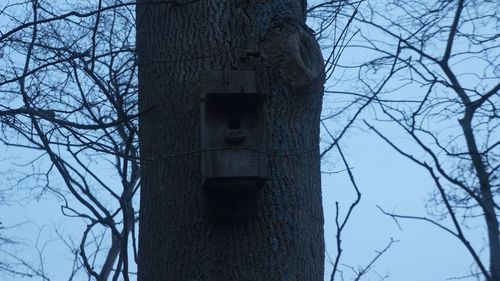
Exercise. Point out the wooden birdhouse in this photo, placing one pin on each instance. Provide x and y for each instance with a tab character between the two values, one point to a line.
234	158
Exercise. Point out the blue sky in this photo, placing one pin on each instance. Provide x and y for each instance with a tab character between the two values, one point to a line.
385	179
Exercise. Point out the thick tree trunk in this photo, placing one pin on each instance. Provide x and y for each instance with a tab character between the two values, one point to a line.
177	41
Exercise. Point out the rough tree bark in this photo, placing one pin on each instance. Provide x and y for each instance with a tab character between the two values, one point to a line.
176	42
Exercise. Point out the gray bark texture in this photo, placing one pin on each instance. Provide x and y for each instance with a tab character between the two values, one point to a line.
177	42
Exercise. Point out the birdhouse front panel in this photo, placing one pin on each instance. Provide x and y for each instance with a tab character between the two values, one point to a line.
233	135
235	130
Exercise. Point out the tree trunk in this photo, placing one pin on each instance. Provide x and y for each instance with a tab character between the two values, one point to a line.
177	41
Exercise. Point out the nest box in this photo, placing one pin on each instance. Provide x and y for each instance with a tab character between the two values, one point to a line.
234	159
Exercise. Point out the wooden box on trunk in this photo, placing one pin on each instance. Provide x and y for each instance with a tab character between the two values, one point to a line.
234	159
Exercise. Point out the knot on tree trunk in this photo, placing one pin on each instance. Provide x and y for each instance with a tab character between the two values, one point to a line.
291	51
